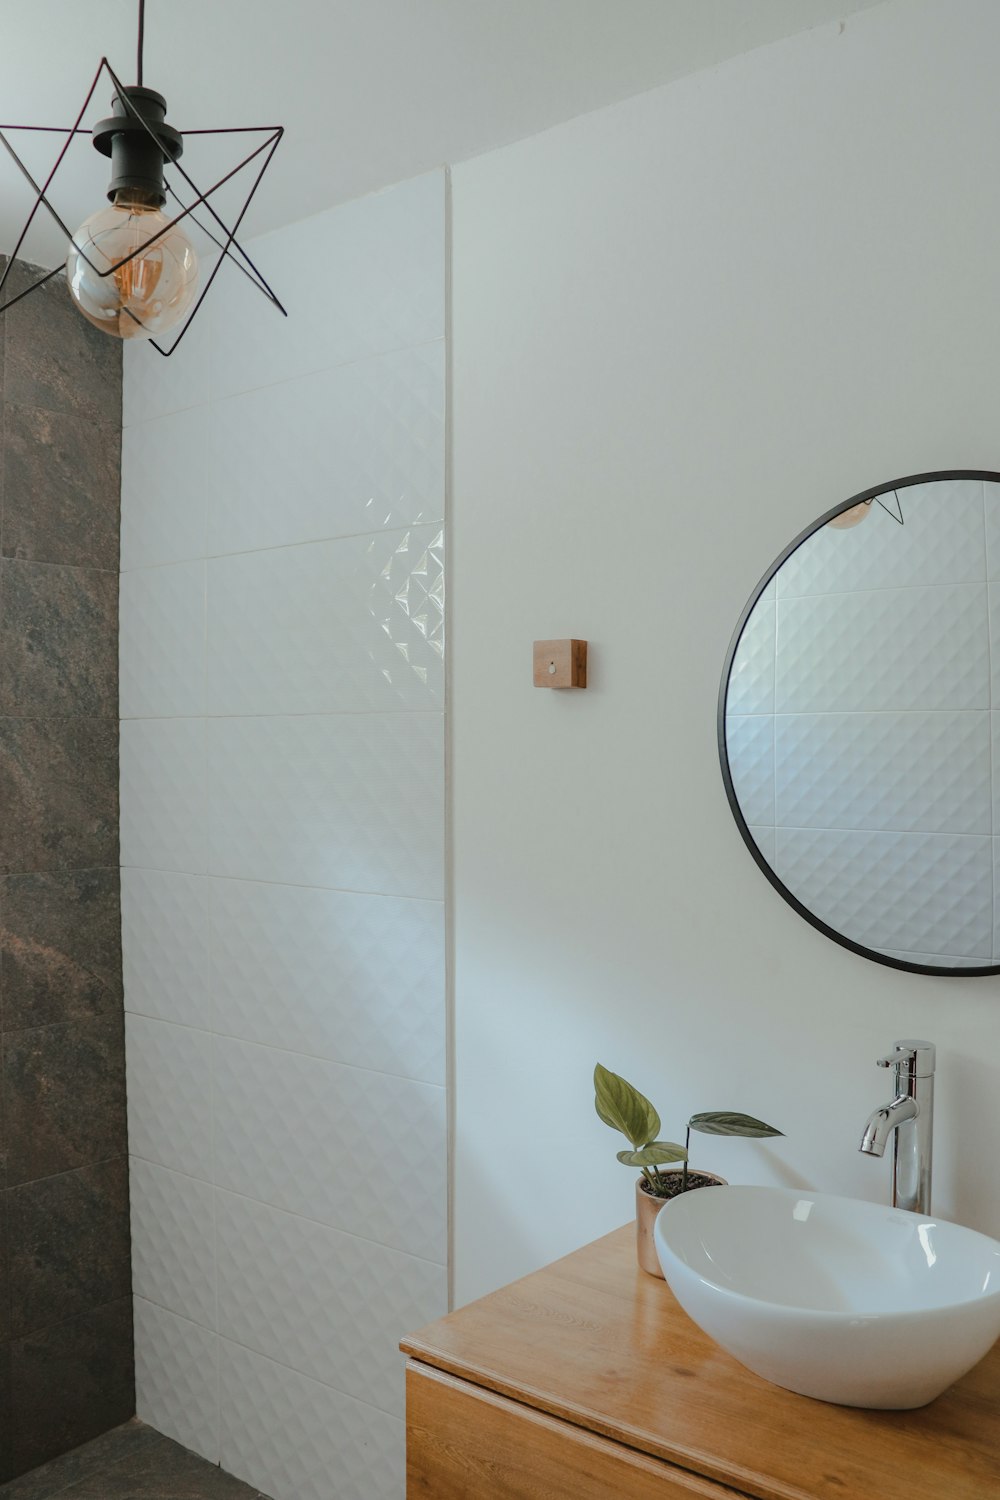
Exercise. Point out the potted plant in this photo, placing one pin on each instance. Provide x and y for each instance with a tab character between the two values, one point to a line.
623	1108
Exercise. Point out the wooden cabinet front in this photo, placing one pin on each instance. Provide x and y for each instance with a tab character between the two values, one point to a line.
464	1443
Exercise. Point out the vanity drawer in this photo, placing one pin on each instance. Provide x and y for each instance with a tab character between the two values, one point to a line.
466	1443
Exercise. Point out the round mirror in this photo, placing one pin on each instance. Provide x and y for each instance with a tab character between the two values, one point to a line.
857	728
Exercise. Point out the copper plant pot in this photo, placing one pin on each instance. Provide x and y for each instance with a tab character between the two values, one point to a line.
647	1207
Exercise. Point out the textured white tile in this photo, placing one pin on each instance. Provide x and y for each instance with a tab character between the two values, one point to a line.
894	891
358	979
345	800
354	449
941	541
352	625
161	641
991	492
165	945
297	1132
331	1306
166	476
937	960
152	385
911	648
751	679
296	1439
177	1378
173	1241
163	811
376	283
764	839
750	751
169	1071
916	772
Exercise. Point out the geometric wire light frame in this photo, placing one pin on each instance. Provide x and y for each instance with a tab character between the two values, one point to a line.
227	246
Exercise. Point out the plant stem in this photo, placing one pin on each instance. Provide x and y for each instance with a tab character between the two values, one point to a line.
687	1151
650	1179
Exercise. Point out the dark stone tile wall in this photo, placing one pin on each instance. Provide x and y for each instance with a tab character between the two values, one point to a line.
66	1371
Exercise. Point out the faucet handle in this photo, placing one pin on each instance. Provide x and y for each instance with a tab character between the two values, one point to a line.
916	1057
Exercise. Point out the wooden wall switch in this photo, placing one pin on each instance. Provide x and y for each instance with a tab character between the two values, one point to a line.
560	664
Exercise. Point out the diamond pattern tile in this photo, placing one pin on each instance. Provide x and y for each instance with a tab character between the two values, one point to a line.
991	494
916	772
169	1074
750	748
352	801
351	450
940	542
354	978
894	891
295	1132
165	481
165	945
163	811
751	680
282	836
936	960
173	1241
332	1306
382	289
161	641
897	649
352	626
177	1378
299	1440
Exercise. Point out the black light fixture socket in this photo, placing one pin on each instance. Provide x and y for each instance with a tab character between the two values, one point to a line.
139	141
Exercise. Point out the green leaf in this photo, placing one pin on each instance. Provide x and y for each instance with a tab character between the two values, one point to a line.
727	1122
623	1108
653	1155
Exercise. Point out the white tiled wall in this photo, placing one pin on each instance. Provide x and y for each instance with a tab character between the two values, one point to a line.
282	848
860	727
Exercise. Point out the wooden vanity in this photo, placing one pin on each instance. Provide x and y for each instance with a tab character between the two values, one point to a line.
587	1381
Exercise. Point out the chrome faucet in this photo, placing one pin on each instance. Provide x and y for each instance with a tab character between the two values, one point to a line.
909	1119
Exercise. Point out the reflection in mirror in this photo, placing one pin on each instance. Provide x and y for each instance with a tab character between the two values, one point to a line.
860	723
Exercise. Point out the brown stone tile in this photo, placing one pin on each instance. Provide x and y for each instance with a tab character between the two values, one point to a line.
71	1383
58	361
58	640
6	1422
91	1459
4	1276
61	488
68	1245
64	1091
166	1472
60	947
59	794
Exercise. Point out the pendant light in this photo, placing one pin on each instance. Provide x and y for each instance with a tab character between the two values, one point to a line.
132	269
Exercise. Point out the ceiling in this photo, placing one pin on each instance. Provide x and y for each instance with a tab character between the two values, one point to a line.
370	91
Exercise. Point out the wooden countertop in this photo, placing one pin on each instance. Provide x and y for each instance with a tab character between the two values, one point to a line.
597	1342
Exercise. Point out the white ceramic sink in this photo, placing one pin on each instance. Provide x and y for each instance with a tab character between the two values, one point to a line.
832	1297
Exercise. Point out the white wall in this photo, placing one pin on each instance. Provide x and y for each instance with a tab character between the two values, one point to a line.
282	848
683	328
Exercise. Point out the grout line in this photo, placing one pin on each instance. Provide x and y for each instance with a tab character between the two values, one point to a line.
292	885
104	1469
278	1364
362	1239
226	1036
310	541
329	713
450	1015
198	719
271	385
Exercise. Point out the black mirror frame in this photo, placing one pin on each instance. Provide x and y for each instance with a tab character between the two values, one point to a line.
967	972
